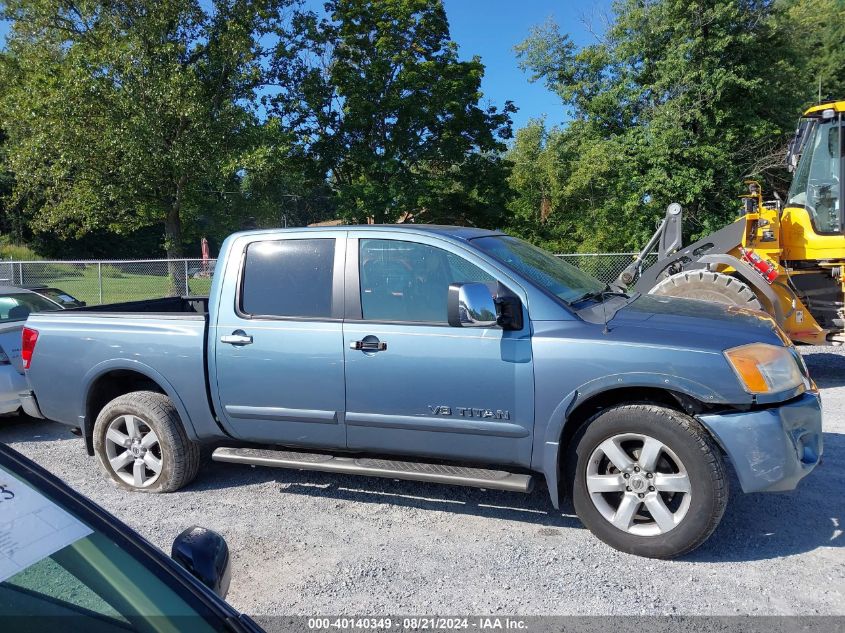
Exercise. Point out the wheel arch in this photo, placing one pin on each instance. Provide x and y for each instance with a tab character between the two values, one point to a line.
107	381
583	404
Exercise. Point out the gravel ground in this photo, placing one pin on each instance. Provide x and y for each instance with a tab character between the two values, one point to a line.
313	543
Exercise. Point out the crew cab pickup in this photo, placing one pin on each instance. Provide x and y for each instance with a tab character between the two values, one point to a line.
442	354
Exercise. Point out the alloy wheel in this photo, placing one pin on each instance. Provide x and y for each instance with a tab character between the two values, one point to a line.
133	451
638	484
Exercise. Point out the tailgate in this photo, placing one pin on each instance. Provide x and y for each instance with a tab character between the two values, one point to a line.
10	341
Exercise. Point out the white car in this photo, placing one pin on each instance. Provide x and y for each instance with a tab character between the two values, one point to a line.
15	306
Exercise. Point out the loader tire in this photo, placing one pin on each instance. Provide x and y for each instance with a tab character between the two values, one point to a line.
704	285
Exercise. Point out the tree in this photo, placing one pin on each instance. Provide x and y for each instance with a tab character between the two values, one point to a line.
678	102
816	30
133	114
385	105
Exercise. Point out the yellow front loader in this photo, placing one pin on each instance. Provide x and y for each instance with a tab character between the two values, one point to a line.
786	258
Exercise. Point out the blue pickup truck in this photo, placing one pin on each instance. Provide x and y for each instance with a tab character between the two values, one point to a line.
441	354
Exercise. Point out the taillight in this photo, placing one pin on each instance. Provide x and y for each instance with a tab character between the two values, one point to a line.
28	339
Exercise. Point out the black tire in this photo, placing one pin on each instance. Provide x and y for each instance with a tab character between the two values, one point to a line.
704	285
702	464
178	457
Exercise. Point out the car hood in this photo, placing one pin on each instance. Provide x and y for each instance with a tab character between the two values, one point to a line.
687	322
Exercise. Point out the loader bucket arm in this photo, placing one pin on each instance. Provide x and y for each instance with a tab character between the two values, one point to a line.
668	235
720	242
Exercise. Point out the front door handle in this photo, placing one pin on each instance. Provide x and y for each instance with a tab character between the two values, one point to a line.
238	337
368	346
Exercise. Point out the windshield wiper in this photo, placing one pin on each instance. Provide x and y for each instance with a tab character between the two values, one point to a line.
600	295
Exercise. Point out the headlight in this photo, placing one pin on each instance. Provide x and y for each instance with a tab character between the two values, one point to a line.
764	368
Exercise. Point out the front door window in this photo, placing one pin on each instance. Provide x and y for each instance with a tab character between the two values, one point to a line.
409	282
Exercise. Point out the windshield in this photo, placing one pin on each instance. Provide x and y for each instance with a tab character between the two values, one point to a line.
59	297
563	280
56	565
816	185
17	306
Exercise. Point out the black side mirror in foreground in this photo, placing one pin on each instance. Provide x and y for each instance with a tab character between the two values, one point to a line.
205	555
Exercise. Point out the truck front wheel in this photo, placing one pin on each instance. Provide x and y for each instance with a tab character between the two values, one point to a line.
647	480
141	444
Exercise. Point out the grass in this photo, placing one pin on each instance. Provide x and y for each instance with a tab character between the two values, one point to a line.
126	287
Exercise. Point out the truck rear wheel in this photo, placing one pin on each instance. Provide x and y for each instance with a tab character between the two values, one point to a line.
647	480
141	444
705	285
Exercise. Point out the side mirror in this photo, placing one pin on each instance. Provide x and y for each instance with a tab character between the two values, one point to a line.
473	305
205	555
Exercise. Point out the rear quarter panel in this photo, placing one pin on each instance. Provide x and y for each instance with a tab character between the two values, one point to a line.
73	350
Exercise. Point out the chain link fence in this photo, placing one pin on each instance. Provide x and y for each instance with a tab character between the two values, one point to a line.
605	267
113	281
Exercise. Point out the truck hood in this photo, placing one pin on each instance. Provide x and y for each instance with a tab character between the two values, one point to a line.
687	322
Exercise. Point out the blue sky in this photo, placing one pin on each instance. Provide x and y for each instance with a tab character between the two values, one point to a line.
491	28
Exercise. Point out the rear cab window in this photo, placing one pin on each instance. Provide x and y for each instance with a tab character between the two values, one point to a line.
288	278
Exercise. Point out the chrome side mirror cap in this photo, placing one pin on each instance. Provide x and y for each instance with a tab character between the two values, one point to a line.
471	305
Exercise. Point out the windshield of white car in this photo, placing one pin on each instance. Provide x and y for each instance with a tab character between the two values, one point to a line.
56	564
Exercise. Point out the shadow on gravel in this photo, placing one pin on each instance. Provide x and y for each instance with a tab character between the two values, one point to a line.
755	526
534	508
828	370
771	525
22	428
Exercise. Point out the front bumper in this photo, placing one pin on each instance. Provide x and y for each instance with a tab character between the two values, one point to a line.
771	449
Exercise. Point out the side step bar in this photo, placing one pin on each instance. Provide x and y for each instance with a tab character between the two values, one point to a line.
390	469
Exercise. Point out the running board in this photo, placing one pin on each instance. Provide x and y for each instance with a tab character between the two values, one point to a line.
389	469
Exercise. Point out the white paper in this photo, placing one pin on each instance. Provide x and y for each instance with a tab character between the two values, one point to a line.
31	526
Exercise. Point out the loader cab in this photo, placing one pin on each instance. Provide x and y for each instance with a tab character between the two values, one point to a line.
814	217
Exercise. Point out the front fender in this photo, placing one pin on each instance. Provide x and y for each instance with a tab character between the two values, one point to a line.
127	364
548	457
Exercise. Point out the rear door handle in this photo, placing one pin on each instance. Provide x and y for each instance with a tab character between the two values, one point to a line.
368	346
238	337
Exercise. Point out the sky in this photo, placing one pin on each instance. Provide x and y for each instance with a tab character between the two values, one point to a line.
491	28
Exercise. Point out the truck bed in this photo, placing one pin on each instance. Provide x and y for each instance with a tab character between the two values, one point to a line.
169	306
162	339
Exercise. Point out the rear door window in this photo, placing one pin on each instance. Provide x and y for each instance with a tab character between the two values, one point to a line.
288	278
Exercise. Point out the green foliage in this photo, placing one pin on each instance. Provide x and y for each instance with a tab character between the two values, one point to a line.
816	31
392	115
680	101
135	127
122	116
9	250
